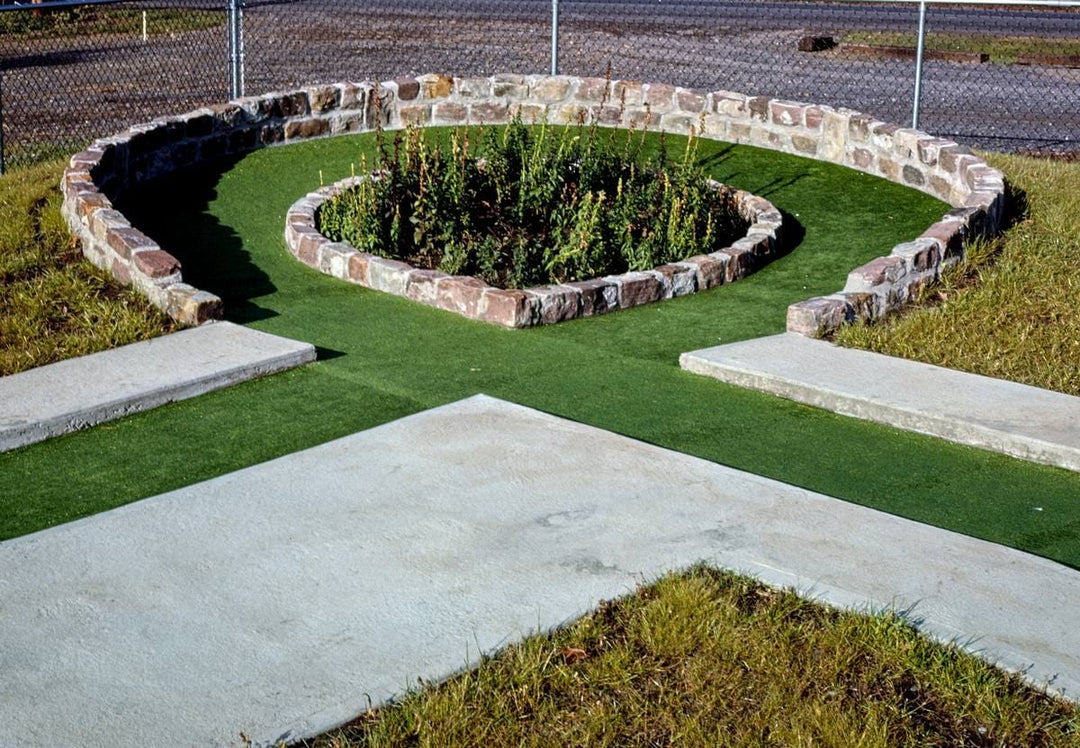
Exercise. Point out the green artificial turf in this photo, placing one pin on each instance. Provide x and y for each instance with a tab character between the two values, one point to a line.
383	357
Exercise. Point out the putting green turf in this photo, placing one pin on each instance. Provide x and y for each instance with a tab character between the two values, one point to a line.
382	357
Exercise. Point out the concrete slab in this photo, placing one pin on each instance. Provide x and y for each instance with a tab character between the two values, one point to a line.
277	599
1015	419
70	395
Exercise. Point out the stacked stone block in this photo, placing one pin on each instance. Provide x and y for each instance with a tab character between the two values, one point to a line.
543	305
941	168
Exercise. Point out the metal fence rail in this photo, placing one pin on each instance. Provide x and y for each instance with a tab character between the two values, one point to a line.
1001	74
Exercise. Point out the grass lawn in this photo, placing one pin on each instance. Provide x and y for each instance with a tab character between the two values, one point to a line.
383	357
1013	309
707	658
1003	50
53	303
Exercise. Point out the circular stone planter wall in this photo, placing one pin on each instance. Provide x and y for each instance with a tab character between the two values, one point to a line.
110	166
543	305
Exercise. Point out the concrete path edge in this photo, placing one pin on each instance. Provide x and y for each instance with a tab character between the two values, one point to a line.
993	414
80	392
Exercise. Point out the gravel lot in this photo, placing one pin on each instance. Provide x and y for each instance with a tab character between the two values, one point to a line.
59	92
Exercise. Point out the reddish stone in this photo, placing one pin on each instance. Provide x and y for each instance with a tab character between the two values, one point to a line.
89	200
126	240
121	272
460	294
597	296
759	107
786	113
358	268
309	243
156	263
740	262
950	157
636	289
509	308
710	271
949	237
879	271
862	157
813	117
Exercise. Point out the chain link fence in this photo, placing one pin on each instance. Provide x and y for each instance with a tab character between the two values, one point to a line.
993	76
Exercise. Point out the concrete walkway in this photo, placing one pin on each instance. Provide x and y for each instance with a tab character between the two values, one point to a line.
275	599
79	392
1015	419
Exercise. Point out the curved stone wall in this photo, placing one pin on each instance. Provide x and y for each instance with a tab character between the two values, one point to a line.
543	305
103	172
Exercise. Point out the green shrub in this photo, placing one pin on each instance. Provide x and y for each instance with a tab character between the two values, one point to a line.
521	206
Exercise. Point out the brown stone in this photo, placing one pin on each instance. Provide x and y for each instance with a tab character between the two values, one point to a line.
530	113
740	262
627	93
460	294
306	128
557	303
759	107
709	271
786	113
889	168
191	306
292	104
509	308
951	157
739	132
308	246
488	112
272	133
323	98
813	117
804	144
859	128
126	240
659	96
940	186
449	111
156	263
598	296
913	176
691	101
102	221
358	268
607	115
415	114
730	104
87	201
511	89
407	88
636	289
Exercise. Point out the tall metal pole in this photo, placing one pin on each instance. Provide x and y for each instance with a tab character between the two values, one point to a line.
234	49
554	37
918	65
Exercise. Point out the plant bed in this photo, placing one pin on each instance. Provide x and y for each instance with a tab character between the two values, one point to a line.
534	225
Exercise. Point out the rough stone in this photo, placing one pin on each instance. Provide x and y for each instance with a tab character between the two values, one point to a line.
449	111
921	254
509	308
435	86
818	316
678	280
551	89
407	88
358	268
598	296
709	271
460	294
636	289
786	113
156	263
691	101
878	272
489	112
557	303
124	241
422	286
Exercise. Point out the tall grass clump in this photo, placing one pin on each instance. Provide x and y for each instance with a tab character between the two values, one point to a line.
525	205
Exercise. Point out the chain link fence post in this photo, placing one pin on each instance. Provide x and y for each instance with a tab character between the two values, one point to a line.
554	37
920	47
1	125
236	85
